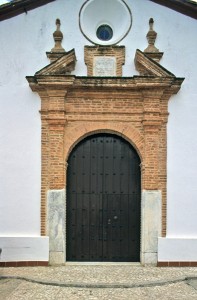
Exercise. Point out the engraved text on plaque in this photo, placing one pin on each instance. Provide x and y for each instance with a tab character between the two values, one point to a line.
104	66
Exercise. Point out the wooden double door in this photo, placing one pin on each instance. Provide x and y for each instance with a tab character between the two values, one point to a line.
103	201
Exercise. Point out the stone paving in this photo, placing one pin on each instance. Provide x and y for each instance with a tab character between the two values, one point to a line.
91	282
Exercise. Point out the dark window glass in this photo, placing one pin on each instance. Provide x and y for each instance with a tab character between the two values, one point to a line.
104	33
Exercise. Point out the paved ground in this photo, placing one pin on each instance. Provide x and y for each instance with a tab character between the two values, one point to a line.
110	282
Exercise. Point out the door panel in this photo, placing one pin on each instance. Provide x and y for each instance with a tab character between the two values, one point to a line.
103	200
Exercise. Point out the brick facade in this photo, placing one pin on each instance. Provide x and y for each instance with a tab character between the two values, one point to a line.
118	52
135	108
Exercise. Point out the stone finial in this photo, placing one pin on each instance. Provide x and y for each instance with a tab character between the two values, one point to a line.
151	51
58	37
151	37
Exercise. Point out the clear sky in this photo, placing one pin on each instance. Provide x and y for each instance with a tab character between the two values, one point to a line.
4	1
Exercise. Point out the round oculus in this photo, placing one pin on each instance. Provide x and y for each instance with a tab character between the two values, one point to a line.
105	22
104	32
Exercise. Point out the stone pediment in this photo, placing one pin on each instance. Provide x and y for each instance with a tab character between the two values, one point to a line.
61	66
149	67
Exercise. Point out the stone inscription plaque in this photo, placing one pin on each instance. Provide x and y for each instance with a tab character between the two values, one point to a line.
104	66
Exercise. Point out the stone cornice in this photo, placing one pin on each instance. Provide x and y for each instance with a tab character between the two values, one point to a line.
39	82
147	66
153	76
63	65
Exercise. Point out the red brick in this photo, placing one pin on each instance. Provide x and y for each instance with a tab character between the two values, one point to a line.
10	264
43	263
174	264
162	263
32	263
21	263
138	114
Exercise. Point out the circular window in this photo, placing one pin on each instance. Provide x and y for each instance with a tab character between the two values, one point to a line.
104	33
105	22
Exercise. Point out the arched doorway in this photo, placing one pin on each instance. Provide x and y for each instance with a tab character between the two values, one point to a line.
103	201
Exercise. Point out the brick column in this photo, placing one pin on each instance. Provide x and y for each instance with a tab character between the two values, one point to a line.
151	125
151	194
56	156
56	125
44	158
53	165
163	156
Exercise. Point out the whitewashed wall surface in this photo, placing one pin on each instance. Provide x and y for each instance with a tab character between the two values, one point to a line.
24	39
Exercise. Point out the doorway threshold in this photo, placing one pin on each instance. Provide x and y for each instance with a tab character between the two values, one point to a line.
80	263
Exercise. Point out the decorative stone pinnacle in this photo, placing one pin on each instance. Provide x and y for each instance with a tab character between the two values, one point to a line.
151	37
58	37
58	23
151	22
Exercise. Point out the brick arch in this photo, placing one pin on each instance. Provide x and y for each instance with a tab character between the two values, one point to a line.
79	132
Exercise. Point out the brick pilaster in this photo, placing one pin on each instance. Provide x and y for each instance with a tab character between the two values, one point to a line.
53	127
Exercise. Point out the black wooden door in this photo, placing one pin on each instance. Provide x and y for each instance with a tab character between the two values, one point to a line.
103	201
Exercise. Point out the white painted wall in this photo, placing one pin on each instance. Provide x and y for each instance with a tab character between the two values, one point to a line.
177	249
24	248
24	40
